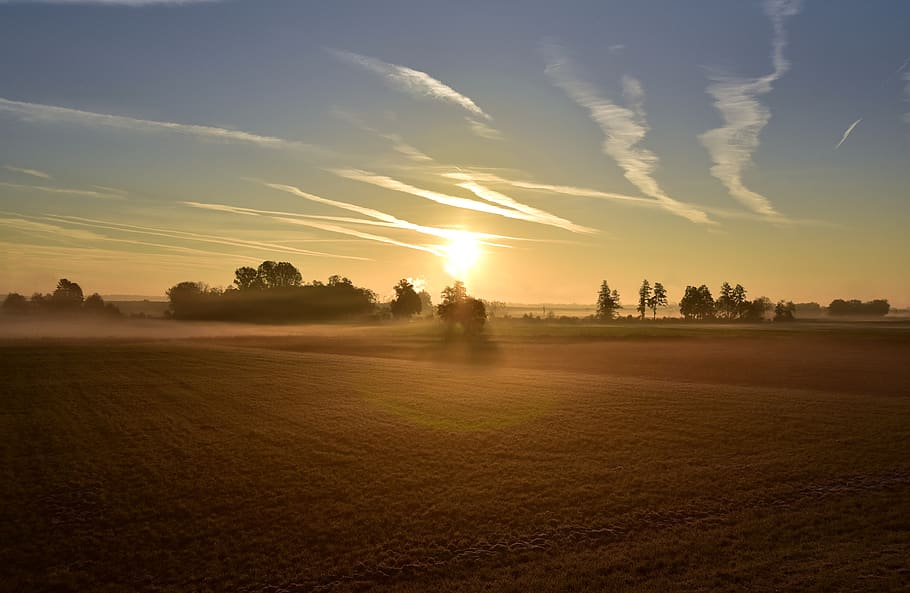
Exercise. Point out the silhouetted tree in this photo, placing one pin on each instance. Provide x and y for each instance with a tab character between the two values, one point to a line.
658	299
247	278
784	311
15	304
876	308
407	301
67	296
739	301
458	309
754	311
725	305
94	304
278	275
187	299
644	295
697	303
607	303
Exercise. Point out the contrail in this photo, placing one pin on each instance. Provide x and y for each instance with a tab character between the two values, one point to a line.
848	132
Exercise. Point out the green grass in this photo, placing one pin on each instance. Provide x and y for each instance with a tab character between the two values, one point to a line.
342	464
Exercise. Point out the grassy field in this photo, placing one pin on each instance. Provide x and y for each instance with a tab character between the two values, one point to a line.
351	459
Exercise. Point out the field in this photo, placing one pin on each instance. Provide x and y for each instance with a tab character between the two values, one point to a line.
384	458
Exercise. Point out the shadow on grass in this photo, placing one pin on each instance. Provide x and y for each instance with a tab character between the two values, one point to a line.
459	348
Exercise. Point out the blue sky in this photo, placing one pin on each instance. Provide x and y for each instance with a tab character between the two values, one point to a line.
530	148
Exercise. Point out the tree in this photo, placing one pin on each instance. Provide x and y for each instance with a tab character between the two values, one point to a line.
406	302
67	295
607	302
94	304
644	296
754	311
784	311
186	299
15	303
697	303
458	309
739	301
278	274
247	278
725	304
658	299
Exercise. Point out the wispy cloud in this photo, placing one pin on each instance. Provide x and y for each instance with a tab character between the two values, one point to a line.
38	112
732	145
413	82
198	237
458	202
31	226
422	85
567	190
382	218
624	128
398	143
29	172
87	193
484	130
586	192
847	133
292	218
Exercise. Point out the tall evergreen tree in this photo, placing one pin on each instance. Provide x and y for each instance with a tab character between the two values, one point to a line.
658	299
644	297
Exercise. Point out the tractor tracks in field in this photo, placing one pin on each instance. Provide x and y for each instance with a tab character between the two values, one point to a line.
580	535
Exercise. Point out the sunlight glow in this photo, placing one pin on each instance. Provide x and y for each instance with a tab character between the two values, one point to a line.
461	255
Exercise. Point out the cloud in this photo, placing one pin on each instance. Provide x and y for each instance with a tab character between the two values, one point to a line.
568	190
414	82
537	215
624	128
483	130
457	202
398	143
293	218
30	172
30	226
421	85
847	133
732	145
38	112
63	190
381	218
585	192
200	237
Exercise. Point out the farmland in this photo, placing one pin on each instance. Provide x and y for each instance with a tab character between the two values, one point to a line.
384	458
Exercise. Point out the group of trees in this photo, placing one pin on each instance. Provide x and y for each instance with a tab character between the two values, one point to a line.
66	298
731	305
876	308
651	298
273	292
697	303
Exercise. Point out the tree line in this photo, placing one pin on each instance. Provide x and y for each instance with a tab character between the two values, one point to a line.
732	304
67	298
275	292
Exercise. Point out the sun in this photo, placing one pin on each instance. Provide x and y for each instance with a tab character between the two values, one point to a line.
461	255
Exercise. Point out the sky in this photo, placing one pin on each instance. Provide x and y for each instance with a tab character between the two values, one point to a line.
531	149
